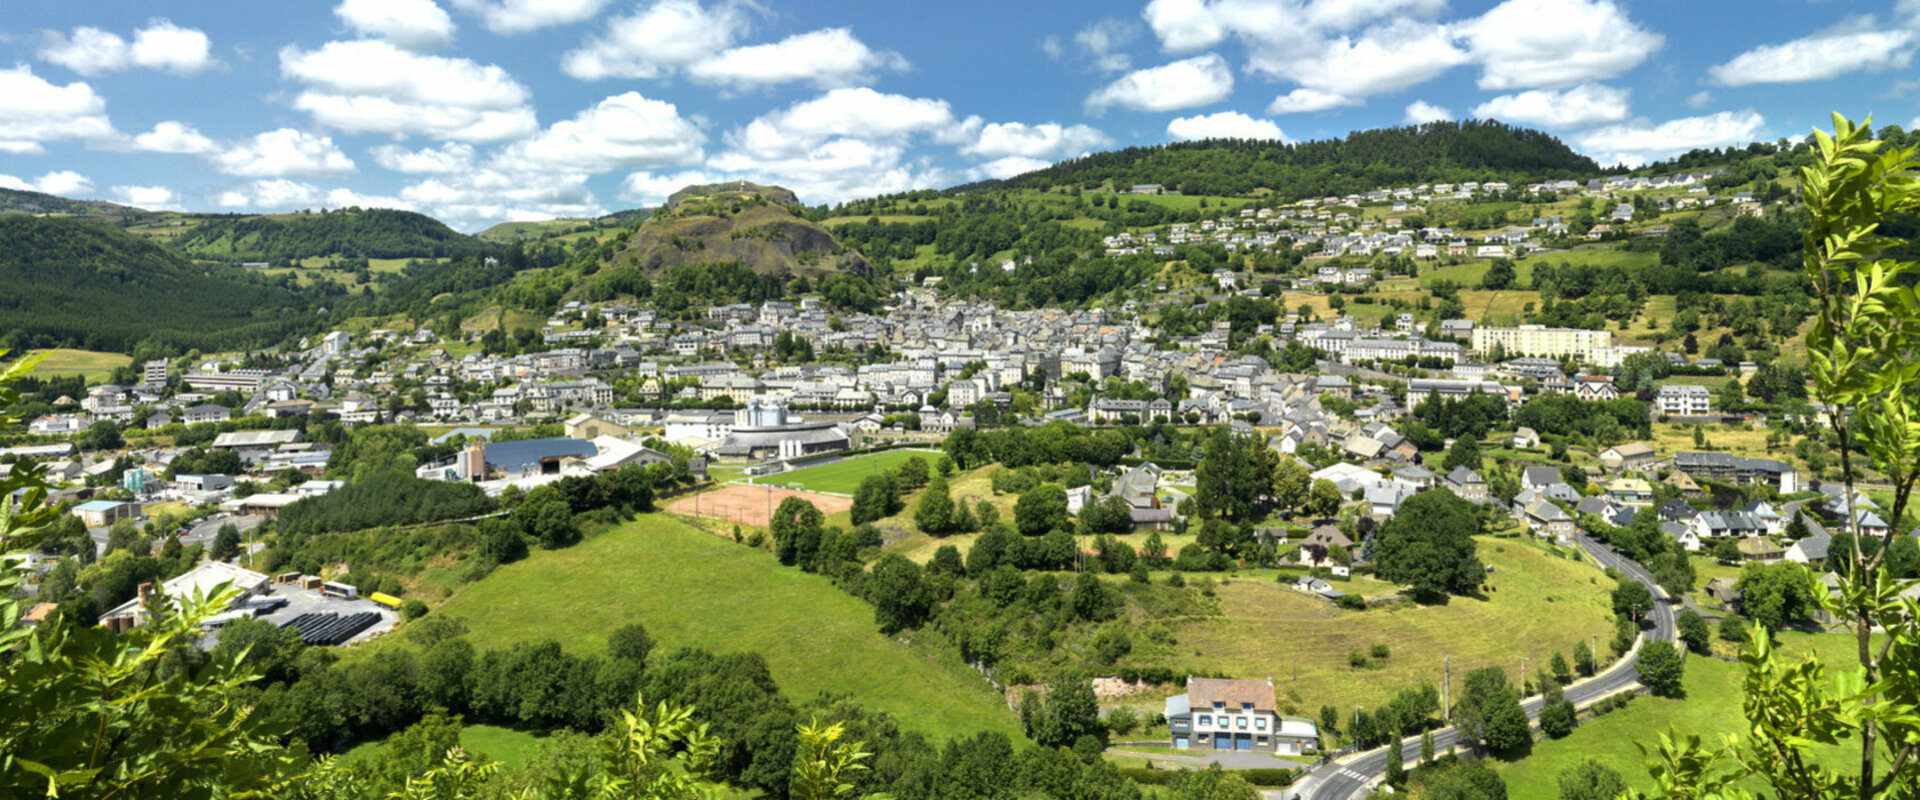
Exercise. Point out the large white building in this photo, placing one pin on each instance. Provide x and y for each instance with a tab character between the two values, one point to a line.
1539	340
1683	400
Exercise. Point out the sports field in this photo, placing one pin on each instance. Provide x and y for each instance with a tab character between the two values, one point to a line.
843	477
693	588
750	505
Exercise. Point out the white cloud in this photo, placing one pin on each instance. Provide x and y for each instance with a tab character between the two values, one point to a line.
284	153
1188	83
33	110
413	24
1047	140
625	130
839	169
1858	44
520	16
21	148
1555	43
450	157
1421	112
849	143
1050	44
1699	99
1184	25
163	45
827	58
343	197
66	183
274	195
1224	125
1305	100
369	86
89	51
862	113
151	198
1583	105
1640	141
1384	58
649	189
1103	41
174	137
472	200
655	40
1008	167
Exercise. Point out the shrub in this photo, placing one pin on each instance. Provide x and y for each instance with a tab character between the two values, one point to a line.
1357	660
1380	650
413	609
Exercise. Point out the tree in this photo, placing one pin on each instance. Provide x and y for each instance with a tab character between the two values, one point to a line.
795	522
545	516
1557	719
1469	780
1396	772
1041	509
1323	499
226	544
1092	599
1428	545
630	642
1070	712
899	594
1561	672
913	473
1291	484
1212	783
1583	659
501	540
1504	723
1465	452
1694	632
1591	780
1499	275
934	513
877	498
1775	594
1632	598
1661	668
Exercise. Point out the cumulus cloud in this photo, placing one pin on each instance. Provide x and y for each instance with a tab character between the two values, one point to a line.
1184	25
151	198
1640	141
1102	42
1583	105
827	58
1855	45
1420	112
844	144
519	16
1306	100
1224	125
1384	58
655	40
161	45
284	153
413	24
1008	167
1699	99
625	130
1188	83
450	157
370	86
1556	43
1047	140
33	110
649	189
472	200
174	137
66	183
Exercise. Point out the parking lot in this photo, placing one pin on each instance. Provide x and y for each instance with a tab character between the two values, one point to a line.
310	601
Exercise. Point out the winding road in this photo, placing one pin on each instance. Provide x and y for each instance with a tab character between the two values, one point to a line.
1341	780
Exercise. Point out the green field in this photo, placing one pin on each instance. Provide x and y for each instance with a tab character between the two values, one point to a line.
843	477
95	367
1711	708
691	588
1538	604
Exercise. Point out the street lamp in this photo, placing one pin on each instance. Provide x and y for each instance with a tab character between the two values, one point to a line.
1523	675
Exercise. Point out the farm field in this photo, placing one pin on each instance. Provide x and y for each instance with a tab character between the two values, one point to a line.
693	588
1539	603
1710	709
94	366
843	477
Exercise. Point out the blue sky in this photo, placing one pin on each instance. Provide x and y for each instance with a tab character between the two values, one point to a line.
478	111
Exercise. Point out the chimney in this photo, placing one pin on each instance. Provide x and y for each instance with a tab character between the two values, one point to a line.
146	592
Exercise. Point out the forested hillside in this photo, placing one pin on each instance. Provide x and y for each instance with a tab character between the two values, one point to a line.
351	233
16	201
1362	161
90	285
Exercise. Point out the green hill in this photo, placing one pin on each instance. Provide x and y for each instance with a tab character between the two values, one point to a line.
93	286
15	201
753	225
1359	162
350	233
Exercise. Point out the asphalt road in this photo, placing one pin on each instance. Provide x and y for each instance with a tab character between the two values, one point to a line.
202	533
1340	781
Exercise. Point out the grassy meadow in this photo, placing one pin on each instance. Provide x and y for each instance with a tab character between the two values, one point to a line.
844	477
94	366
693	588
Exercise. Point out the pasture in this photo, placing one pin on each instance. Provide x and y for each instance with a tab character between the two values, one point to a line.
94	366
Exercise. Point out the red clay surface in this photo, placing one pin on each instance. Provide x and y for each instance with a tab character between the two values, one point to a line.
751	505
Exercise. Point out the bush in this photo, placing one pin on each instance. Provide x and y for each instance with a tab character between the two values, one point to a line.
1351	602
412	610
1380	650
1357	660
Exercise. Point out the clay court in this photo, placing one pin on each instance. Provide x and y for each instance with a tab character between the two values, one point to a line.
751	505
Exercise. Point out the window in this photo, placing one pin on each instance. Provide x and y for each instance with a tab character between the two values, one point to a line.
1246	707
1243	723
1260	723
1205	720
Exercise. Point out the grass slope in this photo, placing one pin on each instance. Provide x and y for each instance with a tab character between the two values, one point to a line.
844	477
1541	603
691	588
95	367
1712	707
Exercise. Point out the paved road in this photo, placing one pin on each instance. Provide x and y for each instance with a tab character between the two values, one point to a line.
1229	759
1340	781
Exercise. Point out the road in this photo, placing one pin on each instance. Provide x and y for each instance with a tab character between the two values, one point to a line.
202	533
1340	781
